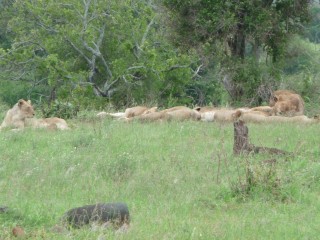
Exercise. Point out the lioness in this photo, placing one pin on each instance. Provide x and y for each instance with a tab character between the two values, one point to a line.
184	114
224	115
15	117
175	109
264	109
150	117
286	103
49	123
138	110
255	117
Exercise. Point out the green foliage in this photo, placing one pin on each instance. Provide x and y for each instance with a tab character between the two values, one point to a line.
312	31
59	109
12	91
243	36
302	72
70	46
120	53
5	15
268	23
121	169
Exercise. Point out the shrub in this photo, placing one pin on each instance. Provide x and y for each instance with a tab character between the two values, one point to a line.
60	109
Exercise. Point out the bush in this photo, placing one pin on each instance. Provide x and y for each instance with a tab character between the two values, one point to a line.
262	181
60	109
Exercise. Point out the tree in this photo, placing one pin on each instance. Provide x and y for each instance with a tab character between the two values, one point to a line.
312	29
114	48
237	31
5	13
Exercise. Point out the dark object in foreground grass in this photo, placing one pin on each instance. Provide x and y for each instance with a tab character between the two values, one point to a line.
242	144
115	213
4	209
18	232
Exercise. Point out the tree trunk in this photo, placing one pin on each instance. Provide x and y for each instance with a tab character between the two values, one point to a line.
241	138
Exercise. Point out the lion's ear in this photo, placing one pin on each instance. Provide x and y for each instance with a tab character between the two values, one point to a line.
197	109
275	98
20	102
29	101
237	114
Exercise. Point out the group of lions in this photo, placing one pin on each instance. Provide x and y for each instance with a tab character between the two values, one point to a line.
145	114
22	114
284	106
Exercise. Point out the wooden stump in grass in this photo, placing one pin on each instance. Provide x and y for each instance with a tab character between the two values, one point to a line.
241	138
242	144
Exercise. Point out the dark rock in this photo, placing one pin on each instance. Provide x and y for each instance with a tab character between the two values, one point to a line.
116	213
4	209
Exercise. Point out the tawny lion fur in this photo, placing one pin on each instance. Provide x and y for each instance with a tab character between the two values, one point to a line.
48	123
15	117
175	109
286	103
138	110
129	112
184	114
224	115
150	117
252	117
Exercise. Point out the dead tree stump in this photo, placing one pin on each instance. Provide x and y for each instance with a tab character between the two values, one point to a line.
242	144
241	138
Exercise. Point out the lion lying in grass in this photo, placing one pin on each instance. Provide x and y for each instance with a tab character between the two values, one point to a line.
22	115
16	116
286	103
129	112
48	123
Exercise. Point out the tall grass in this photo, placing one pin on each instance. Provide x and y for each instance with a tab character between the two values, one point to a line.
179	179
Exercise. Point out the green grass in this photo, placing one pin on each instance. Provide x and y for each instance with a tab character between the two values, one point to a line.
179	179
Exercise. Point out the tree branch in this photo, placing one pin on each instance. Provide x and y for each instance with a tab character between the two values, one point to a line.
144	38
195	73
78	50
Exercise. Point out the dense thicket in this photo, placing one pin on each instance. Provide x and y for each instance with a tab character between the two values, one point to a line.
244	30
122	52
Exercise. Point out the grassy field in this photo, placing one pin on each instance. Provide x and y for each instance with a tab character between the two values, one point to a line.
179	179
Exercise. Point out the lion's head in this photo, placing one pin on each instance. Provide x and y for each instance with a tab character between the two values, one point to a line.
25	109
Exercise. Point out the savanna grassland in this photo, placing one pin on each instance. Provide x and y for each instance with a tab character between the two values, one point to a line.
179	179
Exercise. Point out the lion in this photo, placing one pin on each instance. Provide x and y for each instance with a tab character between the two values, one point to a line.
206	109
255	117
252	117
175	109
279	95
48	123
129	112
138	110
16	116
267	110
301	119
286	103
175	114
150	117
184	114
224	115
208	116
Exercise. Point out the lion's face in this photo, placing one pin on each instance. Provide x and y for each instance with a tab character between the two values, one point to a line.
26	109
